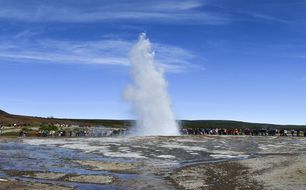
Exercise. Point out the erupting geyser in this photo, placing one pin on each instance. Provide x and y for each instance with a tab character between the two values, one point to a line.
148	95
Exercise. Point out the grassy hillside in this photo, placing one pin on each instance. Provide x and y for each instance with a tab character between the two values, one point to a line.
9	119
234	124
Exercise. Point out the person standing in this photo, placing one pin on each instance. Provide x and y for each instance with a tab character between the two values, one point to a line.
1	129
292	132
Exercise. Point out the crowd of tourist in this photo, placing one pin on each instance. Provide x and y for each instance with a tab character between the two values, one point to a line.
108	132
80	132
247	131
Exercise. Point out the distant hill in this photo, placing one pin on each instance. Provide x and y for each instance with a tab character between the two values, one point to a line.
3	113
235	124
10	119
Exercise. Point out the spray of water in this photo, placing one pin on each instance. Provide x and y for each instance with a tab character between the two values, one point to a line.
148	94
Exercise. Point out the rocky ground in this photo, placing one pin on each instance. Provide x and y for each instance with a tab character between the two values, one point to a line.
268	172
21	185
185	162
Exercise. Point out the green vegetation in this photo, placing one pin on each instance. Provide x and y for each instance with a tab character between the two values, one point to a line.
10	134
27	129
49	128
234	125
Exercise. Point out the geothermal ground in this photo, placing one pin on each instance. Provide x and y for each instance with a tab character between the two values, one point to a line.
182	162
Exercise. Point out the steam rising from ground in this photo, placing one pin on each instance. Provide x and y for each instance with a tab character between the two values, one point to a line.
148	95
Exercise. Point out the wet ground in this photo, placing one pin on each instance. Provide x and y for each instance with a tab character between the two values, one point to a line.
183	162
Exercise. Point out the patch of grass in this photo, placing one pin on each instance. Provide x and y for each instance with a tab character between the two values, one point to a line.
27	129
10	134
49	128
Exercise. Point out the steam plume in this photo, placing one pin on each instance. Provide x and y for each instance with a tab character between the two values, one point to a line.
148	93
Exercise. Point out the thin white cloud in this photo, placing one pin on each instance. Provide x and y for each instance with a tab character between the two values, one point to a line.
268	18
175	5
161	11
106	52
263	17
26	34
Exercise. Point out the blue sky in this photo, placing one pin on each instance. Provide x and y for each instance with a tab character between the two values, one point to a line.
225	59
